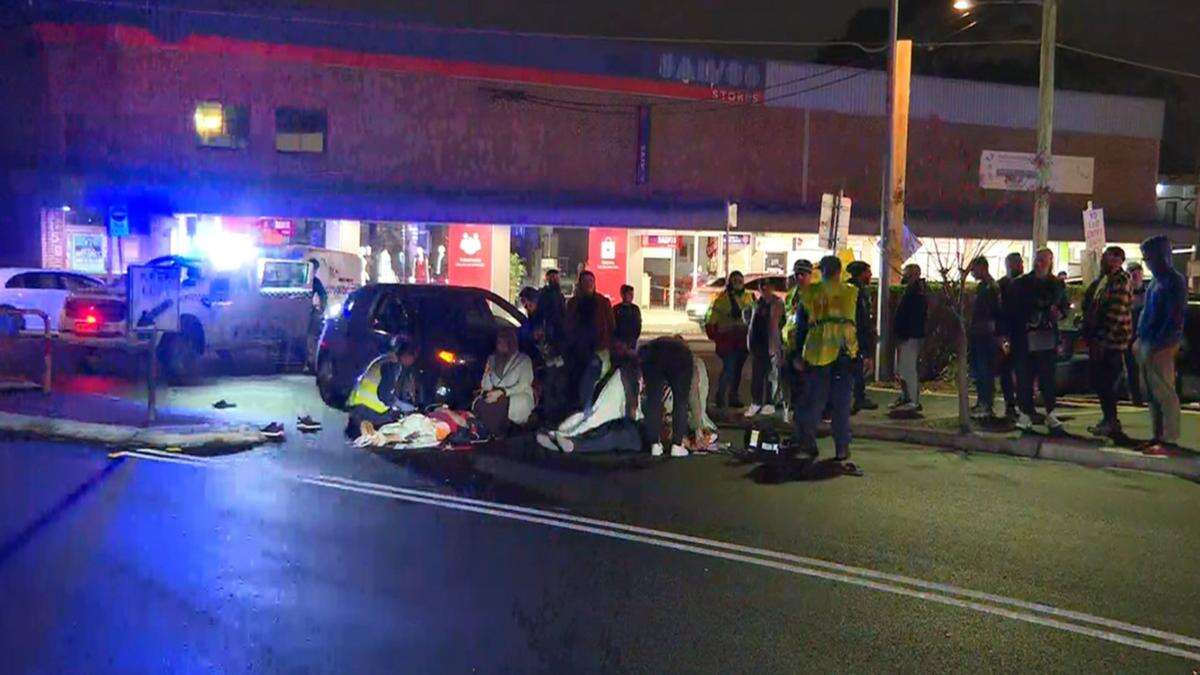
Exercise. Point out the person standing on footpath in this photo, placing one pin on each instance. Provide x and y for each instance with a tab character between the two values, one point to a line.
909	329
628	319
1133	375
827	359
1014	266
589	330
666	365
765	343
726	326
1108	329
864	323
795	330
1159	334
552	308
982	340
1041	299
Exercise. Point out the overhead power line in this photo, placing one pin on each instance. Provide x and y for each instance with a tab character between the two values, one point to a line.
1129	62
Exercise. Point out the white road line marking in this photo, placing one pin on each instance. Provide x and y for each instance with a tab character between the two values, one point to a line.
802	560
779	565
715	549
157	458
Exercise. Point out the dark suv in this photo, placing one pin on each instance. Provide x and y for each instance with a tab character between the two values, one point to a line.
454	328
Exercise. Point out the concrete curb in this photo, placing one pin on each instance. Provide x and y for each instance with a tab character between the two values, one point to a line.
1032	447
187	436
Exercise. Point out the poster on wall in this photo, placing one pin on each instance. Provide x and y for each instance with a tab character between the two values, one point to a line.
1000	170
470	253
86	252
607	249
54	239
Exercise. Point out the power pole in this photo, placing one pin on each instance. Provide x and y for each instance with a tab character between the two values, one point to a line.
891	234
1045	131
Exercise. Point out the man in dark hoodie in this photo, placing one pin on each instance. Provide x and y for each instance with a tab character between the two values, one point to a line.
1159	335
1014	266
909	330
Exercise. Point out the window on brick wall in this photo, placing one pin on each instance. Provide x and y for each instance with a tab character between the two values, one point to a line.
298	130
219	125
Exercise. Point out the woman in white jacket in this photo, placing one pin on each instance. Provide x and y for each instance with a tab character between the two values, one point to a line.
509	374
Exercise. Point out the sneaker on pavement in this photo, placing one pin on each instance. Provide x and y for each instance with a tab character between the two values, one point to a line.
544	440
767	410
274	430
752	411
307	423
656	450
1103	429
897	403
1053	423
223	405
1159	449
909	407
1023	422
678	451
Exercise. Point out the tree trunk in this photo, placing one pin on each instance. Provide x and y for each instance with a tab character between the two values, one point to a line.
961	380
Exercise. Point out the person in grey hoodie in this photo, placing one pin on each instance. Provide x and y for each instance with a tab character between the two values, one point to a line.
765	342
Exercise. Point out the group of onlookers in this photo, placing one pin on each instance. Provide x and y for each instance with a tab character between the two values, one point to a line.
1014	334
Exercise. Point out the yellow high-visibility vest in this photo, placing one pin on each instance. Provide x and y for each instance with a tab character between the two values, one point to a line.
790	301
366	389
831	330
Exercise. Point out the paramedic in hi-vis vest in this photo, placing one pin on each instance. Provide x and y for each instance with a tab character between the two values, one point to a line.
386	391
827	360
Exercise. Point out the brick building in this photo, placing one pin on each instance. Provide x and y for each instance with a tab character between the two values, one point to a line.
403	143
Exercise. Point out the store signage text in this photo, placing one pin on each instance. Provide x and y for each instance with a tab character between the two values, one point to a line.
470	253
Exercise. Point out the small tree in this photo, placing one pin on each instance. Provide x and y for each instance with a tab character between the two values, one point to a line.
953	262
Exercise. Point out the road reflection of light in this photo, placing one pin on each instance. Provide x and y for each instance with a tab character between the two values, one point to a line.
95	384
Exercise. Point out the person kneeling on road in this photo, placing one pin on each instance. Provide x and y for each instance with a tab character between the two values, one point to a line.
387	390
827	360
666	365
610	422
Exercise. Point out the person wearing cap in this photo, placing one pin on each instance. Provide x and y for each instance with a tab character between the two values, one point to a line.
860	277
830	347
1159	335
1108	328
795	330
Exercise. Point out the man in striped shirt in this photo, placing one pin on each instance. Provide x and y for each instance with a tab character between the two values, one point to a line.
1108	328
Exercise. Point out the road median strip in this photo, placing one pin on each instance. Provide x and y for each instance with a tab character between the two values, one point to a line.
125	436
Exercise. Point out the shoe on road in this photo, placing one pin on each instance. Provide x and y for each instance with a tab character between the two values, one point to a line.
224	405
1053	423
273	431
908	408
1023	422
678	451
767	410
982	412
1159	449
897	403
307	424
752	411
1106	429
656	450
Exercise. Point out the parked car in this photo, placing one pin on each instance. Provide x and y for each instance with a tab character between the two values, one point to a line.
265	304
47	290
699	300
454	328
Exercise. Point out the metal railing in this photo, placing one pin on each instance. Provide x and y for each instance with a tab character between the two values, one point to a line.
47	343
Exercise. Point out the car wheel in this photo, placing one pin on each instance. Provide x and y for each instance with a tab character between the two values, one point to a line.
179	354
326	384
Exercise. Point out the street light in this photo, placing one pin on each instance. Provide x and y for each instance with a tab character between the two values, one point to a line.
1045	125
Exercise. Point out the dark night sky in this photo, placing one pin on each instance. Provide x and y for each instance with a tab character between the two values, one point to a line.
1163	32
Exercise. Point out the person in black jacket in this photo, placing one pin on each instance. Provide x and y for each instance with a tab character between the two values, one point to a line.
627	318
552	312
1015	266
666	364
982	338
864	323
909	330
1040	302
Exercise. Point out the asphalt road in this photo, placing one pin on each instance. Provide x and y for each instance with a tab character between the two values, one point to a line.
313	556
